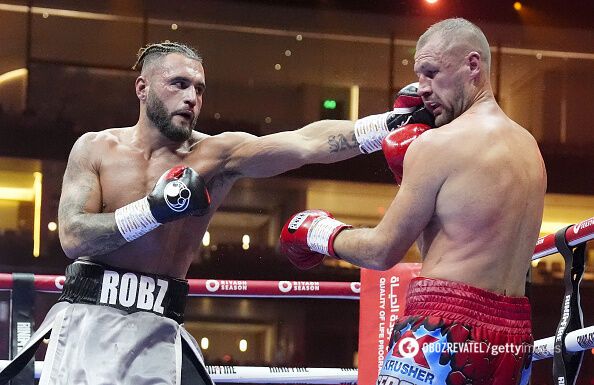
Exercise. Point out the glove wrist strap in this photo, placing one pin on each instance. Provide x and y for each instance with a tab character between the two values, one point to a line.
370	131
320	233
135	219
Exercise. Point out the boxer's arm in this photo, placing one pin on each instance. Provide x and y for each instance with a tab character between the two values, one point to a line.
383	246
84	230
325	141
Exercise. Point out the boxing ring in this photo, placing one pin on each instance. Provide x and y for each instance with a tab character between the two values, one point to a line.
566	347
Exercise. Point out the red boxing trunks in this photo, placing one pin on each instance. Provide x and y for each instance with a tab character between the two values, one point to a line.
456	334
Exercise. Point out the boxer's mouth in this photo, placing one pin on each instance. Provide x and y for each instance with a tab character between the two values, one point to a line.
186	114
432	107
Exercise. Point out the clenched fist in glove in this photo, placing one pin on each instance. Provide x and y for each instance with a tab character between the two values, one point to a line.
308	237
408	108
178	193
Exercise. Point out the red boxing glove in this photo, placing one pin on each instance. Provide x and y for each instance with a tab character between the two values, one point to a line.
308	237
396	143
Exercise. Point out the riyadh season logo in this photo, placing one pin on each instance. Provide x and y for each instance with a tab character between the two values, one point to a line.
285	286
59	282
298	286
212	285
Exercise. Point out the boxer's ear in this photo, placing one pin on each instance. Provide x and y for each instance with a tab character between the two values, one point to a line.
473	61
141	87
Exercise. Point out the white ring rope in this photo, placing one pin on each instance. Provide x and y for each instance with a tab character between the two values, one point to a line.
582	339
263	374
281	375
575	341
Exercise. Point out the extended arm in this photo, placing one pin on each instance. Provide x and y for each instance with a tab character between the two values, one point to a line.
325	141
310	235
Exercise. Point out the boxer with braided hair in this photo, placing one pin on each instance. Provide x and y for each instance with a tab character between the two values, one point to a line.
146	54
136	202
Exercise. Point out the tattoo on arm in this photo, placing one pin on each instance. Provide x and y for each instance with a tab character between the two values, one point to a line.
340	143
94	234
83	233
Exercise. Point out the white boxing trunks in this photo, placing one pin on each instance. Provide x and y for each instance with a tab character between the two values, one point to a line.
116	327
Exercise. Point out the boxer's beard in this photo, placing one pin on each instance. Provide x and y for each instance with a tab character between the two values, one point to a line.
456	109
162	119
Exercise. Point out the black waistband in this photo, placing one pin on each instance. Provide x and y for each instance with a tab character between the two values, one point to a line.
92	283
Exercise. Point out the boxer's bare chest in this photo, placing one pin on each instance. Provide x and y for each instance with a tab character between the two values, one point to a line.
127	174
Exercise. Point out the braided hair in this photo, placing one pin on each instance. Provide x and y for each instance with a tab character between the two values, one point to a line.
148	54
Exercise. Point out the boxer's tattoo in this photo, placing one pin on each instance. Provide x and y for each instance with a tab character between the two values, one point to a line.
85	233
340	143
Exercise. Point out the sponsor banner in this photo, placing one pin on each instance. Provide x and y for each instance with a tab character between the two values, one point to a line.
227	287
383	298
214	287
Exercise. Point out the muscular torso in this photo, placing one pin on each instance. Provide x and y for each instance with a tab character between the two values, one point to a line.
112	168
125	175
489	209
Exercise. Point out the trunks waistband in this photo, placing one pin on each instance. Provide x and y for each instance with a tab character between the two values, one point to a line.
96	284
460	302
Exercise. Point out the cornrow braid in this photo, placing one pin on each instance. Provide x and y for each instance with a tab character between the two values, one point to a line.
146	54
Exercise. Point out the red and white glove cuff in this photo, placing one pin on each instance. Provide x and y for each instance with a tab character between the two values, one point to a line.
135	219
320	233
370	131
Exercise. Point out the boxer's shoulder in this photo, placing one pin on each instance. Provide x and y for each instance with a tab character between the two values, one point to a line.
431	143
231	138
107	137
221	145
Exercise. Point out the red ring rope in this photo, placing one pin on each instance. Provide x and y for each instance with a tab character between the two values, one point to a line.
579	233
576	234
227	288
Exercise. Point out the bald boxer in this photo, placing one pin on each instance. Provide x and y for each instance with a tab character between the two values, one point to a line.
135	204
472	196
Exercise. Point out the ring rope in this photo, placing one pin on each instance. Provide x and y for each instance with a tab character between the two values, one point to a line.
579	233
575	341
263	374
227	288
574	235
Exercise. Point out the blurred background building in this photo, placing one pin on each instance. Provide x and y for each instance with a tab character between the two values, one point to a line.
274	66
